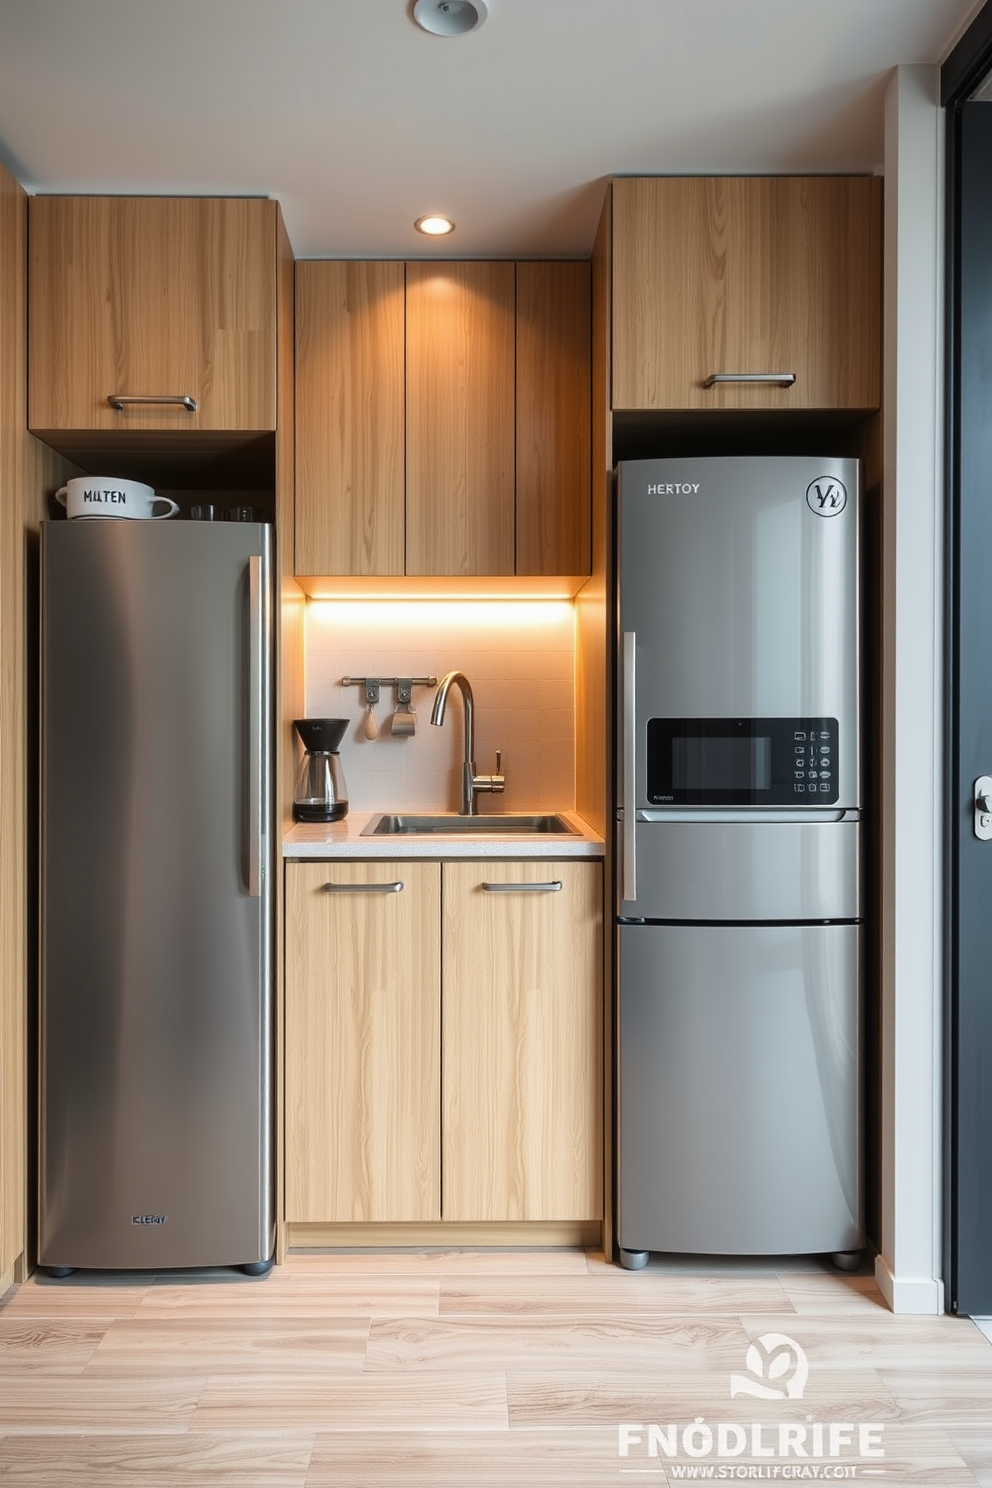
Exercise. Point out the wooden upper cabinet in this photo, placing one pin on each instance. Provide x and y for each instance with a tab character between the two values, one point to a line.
746	274
350	418
460	418
554	327
152	297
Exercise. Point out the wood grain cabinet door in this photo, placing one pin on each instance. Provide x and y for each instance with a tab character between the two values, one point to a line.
746	275
152	296
460	418
350	418
522	1047
554	328
362	1041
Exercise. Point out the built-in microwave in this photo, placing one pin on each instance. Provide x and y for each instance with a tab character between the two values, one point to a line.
742	761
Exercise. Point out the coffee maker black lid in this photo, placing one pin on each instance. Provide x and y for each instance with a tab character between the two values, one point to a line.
321	735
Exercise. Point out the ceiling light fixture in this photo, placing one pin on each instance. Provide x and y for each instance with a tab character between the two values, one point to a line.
450	17
434	226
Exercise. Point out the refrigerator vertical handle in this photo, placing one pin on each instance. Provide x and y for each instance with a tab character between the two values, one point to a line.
256	726
628	857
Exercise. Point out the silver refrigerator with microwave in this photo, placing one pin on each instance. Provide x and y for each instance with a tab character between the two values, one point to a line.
157	894
739	893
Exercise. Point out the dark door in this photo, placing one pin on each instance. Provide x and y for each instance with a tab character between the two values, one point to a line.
968	1228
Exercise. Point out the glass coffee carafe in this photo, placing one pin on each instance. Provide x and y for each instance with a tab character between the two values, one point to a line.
321	794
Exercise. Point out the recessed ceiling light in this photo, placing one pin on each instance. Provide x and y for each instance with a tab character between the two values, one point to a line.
450	17
434	226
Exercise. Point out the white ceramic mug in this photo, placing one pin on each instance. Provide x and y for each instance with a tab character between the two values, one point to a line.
109	496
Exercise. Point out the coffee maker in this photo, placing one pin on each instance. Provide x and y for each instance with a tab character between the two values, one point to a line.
321	794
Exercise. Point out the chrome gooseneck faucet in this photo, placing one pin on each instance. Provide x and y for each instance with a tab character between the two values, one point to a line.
471	783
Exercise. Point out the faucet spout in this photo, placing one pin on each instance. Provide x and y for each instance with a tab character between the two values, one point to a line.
468	805
471	783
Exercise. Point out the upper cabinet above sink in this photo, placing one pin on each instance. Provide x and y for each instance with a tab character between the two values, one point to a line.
443	419
159	299
722	282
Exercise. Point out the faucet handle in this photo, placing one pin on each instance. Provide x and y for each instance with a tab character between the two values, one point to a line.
498	779
491	784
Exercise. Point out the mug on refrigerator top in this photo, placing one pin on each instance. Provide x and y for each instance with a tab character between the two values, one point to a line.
110	496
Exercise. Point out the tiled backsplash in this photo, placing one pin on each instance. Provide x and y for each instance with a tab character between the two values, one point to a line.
519	659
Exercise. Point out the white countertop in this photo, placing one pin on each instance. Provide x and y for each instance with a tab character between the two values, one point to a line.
343	839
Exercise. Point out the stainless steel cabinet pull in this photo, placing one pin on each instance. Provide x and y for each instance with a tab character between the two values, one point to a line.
628	866
120	401
780	379
364	888
552	886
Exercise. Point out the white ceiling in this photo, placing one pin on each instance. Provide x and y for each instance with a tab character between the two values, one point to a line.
358	121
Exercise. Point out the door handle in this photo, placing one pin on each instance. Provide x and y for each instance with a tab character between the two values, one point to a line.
628	765
983	808
256	725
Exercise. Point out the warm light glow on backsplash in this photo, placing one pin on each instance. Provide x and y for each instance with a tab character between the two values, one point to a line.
402	614
519	657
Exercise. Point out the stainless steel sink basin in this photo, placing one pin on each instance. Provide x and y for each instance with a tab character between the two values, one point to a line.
444	825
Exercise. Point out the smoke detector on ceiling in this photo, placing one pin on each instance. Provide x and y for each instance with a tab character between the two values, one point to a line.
450	17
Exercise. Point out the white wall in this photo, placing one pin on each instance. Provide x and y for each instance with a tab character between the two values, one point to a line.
908	1269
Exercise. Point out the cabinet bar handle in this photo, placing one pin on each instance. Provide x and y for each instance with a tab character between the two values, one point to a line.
120	401
363	888
551	887
780	379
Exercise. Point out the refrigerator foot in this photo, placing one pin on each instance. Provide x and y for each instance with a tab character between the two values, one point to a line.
258	1268
846	1260
633	1260
58	1271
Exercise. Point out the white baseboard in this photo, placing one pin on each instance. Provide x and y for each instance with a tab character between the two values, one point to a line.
921	1296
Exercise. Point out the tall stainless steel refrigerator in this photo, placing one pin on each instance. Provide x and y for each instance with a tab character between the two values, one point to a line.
156	1108
739	894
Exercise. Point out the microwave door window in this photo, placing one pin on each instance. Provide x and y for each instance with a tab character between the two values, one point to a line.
721	764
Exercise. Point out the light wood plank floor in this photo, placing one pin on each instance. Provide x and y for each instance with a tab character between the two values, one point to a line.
504	1368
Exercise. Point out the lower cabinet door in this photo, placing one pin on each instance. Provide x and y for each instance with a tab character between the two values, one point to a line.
363	1041
522	1051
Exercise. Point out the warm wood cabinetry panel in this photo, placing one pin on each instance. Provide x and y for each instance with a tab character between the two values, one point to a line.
553	418
362	1042
746	274
350	418
444	1043
460	416
522	1048
442	419
152	296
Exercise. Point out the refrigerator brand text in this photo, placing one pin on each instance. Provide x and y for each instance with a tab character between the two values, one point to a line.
675	488
149	1219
